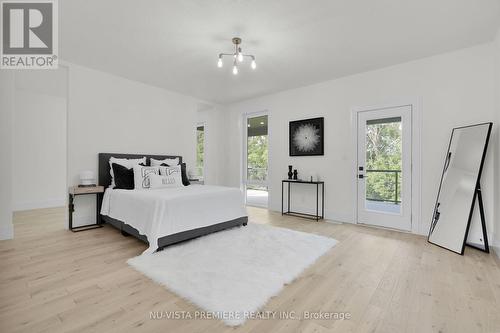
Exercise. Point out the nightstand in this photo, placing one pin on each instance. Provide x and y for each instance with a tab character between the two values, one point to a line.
74	191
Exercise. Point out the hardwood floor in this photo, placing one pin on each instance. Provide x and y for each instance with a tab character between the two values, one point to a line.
53	280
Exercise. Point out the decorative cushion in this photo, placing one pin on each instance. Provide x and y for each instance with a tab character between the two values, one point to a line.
141	176
185	178
124	177
170	177
169	161
126	162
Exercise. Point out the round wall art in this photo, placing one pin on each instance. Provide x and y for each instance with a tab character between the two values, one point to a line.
306	137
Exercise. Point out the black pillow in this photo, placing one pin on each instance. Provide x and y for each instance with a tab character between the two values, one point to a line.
124	177
185	179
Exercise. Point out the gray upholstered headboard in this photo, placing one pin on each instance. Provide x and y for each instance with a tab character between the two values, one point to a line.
104	175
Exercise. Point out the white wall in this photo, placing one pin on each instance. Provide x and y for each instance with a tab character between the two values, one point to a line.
110	114
39	139
454	89
6	97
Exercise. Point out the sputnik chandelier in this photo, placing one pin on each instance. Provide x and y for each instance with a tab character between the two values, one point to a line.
237	56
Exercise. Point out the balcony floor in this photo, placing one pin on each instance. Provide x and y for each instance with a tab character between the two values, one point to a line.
386	207
257	198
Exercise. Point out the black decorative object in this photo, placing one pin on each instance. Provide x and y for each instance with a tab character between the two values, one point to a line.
290	173
306	137
295	174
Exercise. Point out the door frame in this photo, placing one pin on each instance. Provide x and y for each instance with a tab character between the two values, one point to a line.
244	156
415	104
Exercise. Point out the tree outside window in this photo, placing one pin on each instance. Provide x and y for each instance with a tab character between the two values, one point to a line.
257	158
383	160
200	150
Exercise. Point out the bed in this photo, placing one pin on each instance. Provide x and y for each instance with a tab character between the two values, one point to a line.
162	217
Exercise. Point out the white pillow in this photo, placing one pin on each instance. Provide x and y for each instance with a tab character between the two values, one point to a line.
126	162
141	176
170	177
169	161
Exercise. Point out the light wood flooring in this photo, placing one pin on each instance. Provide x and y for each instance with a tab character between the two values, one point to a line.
53	280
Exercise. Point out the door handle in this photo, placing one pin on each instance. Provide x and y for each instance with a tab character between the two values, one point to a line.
361	176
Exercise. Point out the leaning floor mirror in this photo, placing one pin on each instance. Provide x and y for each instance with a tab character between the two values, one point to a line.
460	189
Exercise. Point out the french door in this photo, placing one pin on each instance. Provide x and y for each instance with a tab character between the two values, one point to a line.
384	167
255	159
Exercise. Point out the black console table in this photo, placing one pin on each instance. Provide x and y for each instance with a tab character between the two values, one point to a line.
316	217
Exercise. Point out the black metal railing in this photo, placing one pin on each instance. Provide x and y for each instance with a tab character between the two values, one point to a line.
259	174
396	186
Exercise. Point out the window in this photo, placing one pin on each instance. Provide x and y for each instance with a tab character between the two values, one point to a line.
257	149
200	150
384	164
256	160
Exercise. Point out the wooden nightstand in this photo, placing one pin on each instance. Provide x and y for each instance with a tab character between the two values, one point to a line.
74	191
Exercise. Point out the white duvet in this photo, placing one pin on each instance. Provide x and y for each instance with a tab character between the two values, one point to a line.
160	212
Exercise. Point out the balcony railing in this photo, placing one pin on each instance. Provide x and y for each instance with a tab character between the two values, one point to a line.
259	174
395	196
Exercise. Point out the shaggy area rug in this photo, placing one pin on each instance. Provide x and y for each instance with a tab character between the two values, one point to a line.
232	274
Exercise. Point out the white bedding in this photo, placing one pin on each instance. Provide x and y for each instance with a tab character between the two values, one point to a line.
160	212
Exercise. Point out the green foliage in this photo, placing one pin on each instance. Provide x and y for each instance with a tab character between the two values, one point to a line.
200	150
257	147
383	152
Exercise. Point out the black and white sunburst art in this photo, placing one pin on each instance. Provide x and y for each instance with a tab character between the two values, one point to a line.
306	137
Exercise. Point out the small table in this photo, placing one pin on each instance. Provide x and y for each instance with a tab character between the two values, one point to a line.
74	191
316	217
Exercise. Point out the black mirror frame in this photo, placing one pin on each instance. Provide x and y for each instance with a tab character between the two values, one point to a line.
477	195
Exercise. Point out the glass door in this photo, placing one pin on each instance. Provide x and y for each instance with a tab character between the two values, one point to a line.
384	168
256	160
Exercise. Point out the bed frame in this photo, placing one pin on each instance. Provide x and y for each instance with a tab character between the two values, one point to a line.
105	180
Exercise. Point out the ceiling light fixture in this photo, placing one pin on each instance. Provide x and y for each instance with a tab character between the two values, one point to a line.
238	56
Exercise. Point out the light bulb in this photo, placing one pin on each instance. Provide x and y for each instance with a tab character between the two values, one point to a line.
253	64
219	63
235	69
240	56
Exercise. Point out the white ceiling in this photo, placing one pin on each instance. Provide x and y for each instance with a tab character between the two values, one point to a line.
174	43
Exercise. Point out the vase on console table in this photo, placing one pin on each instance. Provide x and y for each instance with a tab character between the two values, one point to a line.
295	174
290	173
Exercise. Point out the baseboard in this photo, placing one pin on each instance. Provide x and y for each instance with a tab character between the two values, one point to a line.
331	217
478	245
38	204
496	250
334	217
7	231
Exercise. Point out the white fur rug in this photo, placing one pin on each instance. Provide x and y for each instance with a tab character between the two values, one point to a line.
232	274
